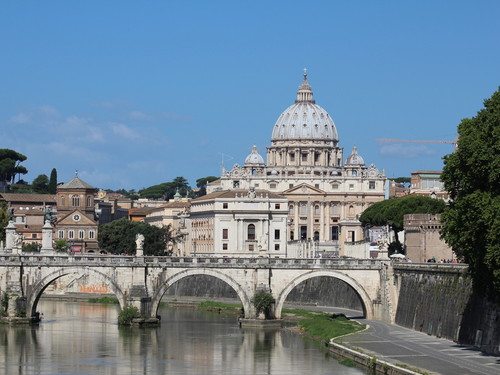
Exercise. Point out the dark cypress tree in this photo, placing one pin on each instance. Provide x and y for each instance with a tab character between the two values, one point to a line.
53	181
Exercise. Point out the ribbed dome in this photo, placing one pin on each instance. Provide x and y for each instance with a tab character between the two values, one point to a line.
305	119
355	158
254	158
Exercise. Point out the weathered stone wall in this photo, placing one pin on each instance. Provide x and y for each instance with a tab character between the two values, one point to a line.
323	291
440	302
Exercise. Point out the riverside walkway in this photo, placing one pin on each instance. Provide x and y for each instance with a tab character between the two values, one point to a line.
396	344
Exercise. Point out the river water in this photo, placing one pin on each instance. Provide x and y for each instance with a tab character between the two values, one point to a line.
83	338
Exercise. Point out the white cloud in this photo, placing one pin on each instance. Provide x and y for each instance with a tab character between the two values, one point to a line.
139	116
124	131
406	151
20	118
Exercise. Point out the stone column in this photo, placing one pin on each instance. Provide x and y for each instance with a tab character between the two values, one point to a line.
47	237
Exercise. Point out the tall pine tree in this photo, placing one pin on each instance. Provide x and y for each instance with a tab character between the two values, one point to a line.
53	182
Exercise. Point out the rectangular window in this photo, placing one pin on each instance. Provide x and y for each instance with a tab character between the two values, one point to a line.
60	234
33	235
351	186
277	206
351	236
250	247
290	186
292	156
277	234
71	234
224	205
371	185
303	209
224	246
276	246
272	186
304	157
224	234
316	186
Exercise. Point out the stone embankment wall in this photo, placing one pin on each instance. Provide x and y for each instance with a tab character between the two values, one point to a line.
323	291
440	302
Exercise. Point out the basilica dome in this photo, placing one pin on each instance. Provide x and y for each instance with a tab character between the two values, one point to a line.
305	119
355	158
254	158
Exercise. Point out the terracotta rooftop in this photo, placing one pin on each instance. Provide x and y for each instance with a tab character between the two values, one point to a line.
32	198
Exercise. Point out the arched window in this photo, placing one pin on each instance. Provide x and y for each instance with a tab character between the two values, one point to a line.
351	210
290	209
75	200
251	232
316	210
62	200
316	236
89	201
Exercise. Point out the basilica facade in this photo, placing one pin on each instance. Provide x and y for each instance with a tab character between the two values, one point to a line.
305	164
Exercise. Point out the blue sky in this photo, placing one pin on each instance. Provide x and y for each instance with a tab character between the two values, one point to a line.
133	94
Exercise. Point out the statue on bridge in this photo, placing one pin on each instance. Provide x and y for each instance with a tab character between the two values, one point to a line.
139	244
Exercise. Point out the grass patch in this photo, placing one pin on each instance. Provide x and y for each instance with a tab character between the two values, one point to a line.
347	362
104	300
414	369
322	325
219	306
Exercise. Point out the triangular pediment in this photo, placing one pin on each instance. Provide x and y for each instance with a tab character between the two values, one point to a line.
75	217
304	189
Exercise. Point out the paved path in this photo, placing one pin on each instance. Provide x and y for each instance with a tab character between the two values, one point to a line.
396	344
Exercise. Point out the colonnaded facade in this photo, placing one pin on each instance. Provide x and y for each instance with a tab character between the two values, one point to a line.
305	164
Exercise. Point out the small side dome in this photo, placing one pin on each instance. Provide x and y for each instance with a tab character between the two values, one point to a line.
274	172
355	158
254	158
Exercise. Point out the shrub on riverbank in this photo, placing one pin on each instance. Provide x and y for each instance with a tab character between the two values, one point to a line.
105	300
128	314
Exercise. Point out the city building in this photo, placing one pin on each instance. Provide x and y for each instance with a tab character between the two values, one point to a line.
422	239
238	223
76	217
428	183
305	164
27	211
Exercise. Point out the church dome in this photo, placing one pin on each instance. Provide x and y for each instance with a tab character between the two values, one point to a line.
305	119
254	158
355	158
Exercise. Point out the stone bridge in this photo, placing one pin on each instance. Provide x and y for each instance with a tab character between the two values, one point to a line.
142	281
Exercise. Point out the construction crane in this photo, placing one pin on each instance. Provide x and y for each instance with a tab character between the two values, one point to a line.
413	141
416	141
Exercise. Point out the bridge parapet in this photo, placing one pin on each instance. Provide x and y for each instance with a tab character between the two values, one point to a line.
431	267
188	262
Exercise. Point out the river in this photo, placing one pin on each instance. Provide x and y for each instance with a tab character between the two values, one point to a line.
83	338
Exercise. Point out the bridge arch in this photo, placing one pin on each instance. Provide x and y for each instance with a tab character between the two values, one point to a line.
243	296
358	288
39	287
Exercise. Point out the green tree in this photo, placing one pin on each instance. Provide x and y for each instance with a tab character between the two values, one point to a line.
52	188
471	175
262	302
10	165
391	212
41	184
201	183
4	220
119	237
167	190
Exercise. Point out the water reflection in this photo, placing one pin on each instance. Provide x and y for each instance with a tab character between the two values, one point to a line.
83	338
